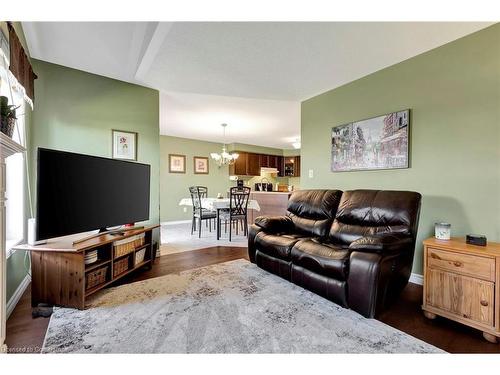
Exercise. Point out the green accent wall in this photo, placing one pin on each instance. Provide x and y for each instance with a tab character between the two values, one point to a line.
76	111
174	186
454	96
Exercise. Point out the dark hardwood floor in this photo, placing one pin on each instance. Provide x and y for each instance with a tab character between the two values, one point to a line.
25	334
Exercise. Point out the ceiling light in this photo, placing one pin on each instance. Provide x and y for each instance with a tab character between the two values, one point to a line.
296	144
224	158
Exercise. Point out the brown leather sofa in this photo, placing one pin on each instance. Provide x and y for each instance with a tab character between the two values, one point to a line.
354	248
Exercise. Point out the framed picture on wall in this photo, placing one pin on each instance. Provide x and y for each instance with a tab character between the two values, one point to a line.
176	163
124	145
200	165
376	143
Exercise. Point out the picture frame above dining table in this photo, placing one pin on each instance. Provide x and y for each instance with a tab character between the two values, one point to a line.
200	165
176	163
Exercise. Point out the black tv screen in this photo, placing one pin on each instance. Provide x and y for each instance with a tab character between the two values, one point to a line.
78	193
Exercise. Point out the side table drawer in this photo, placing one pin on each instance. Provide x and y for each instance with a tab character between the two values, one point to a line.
465	297
470	265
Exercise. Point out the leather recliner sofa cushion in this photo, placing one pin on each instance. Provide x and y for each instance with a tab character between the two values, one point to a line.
278	246
374	212
323	258
312	211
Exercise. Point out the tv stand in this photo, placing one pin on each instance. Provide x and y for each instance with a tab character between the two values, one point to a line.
113	232
59	272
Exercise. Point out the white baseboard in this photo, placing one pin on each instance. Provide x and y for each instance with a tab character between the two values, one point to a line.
175	222
17	295
415	278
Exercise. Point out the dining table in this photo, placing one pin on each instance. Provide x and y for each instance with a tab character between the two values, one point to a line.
217	204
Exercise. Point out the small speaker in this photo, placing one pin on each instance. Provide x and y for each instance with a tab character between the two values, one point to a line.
32	233
476	239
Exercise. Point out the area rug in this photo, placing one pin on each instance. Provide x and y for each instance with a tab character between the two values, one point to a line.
232	307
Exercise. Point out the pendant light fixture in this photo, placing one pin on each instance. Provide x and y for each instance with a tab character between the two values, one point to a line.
224	158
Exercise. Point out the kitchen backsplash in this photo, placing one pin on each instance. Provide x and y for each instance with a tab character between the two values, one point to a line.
251	181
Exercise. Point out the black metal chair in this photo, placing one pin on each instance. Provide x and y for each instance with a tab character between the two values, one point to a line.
238	210
199	213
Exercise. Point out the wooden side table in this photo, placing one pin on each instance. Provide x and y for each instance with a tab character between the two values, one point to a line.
460	283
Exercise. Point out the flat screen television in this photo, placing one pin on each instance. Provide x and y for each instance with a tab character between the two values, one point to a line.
78	193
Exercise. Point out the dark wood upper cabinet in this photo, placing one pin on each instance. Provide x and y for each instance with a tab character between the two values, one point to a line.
239	168
249	164
264	161
291	166
273	161
296	171
253	164
281	166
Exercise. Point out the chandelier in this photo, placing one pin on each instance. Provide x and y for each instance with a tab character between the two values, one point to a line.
224	158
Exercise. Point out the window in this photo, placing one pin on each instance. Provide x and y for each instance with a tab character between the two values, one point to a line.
15	175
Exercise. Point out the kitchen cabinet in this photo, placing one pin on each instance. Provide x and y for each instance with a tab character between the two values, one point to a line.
253	164
279	166
249	164
239	167
273	161
296	171
291	166
264	161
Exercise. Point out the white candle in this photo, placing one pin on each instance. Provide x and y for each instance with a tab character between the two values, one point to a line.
442	231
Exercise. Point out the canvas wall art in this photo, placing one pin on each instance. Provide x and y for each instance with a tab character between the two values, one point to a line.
375	143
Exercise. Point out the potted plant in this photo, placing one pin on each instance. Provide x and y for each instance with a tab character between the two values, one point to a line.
7	116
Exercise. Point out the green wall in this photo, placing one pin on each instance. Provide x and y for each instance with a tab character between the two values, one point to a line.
174	186
76	111
454	96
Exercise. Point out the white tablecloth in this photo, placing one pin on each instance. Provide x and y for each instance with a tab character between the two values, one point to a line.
213	204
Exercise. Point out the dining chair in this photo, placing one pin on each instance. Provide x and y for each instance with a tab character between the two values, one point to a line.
238	210
200	214
204	194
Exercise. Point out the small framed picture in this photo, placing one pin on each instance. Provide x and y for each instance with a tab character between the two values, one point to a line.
124	145
200	165
176	163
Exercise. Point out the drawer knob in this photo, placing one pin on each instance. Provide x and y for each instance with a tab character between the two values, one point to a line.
457	264
484	303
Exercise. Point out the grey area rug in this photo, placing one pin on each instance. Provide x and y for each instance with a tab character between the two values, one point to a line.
233	307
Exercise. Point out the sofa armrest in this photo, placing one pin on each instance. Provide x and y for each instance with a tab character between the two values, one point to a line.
368	280
274	224
385	244
253	231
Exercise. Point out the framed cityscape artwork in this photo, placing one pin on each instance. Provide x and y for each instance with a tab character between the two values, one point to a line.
376	143
124	145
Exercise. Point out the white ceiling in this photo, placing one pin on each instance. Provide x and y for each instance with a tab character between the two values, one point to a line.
277	61
271	123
